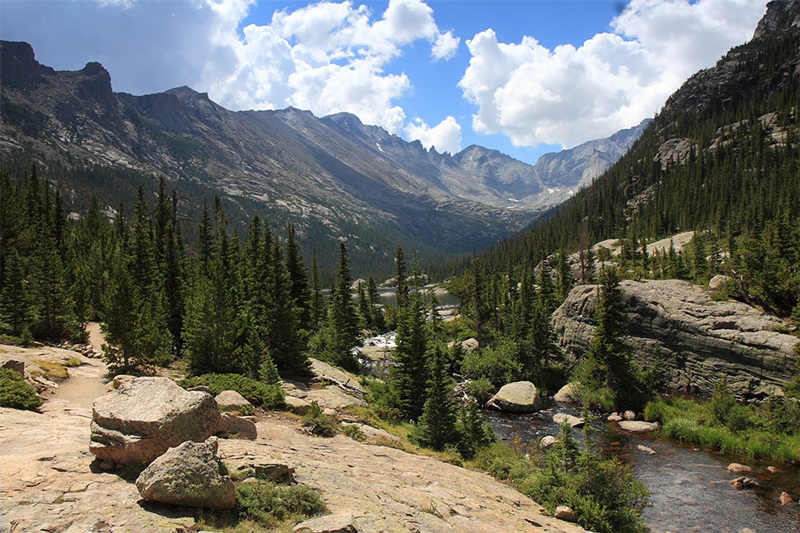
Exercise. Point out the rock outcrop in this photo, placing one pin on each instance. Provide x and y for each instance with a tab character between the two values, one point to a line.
700	340
568	394
188	475
518	397
146	416
231	401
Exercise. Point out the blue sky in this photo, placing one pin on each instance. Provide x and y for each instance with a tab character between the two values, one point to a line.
520	76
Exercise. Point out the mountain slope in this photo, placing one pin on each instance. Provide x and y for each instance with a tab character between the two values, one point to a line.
334	178
722	158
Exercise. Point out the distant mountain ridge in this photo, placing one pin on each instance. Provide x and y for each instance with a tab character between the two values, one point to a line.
335	175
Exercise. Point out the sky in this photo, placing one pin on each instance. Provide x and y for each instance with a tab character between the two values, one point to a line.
524	77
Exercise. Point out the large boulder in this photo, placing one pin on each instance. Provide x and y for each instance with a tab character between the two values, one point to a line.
568	394
230	401
322	371
700	340
146	416
188	475
518	397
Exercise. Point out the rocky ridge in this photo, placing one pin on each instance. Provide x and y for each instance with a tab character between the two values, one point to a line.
700	340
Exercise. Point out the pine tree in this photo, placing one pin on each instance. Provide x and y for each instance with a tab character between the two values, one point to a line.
298	278
409	374
402	291
317	301
15	309
342	314
436	427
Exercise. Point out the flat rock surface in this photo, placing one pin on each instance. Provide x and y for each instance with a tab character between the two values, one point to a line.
385	489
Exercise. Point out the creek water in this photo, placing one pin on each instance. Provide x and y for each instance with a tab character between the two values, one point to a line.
691	487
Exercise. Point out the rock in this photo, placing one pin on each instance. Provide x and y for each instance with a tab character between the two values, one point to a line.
517	397
335	523
573	421
119	380
15	365
715	282
468	346
146	416
772	470
297	405
232	402
330	412
547	441
188	475
744	483
200	388
333	397
237	426
629	415
375	434
322	371
568	394
645	449
785	499
564	512
638	425
700	341
737	468
614	417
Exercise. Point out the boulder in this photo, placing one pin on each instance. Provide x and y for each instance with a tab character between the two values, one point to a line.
645	449
700	340
614	417
637	426
629	415
547	441
297	405
573	421
737	468
468	346
146	416
119	380
517	397
275	471
785	498
15	365
715	282
565	513
568	394
231	401
232	425
333	397
188	475
744	483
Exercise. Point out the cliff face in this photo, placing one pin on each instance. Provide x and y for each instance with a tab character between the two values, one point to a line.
701	340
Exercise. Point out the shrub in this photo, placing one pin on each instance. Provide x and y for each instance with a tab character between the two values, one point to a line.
319	423
481	389
17	393
354	432
258	393
270	504
499	365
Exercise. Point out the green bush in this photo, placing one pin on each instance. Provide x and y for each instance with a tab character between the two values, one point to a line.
319	423
270	504
258	393
354	432
17	393
499	365
481	389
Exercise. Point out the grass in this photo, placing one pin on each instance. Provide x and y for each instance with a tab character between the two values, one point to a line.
755	433
53	370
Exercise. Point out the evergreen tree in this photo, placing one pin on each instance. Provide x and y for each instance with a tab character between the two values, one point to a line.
298	278
564	272
436	427
402	291
342	314
409	374
317	300
15	308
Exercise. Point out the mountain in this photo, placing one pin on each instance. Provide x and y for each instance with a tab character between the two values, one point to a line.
334	178
722	159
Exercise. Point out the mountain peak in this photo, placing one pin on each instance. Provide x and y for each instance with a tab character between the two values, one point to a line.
781	15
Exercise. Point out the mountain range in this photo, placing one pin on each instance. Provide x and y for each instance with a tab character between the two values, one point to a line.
332	177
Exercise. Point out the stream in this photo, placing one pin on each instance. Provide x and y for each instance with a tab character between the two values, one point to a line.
691	487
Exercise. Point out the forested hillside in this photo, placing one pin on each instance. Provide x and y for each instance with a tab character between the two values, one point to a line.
723	159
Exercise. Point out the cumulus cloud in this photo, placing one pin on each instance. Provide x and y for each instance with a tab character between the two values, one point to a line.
570	94
326	57
446	137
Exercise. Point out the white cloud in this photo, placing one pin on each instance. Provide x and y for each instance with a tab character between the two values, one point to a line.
568	95
325	57
125	4
446	137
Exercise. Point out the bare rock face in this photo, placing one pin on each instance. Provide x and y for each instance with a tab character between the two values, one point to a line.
701	341
188	475
238	426
517	397
146	416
